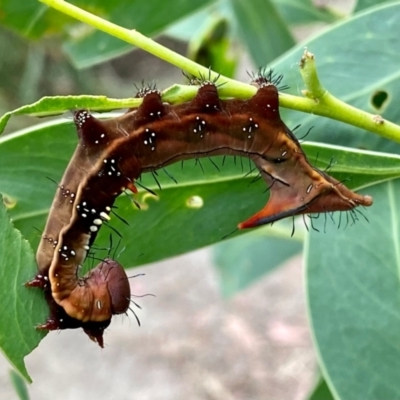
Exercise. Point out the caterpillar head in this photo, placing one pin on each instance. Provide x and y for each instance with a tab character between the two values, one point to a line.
100	294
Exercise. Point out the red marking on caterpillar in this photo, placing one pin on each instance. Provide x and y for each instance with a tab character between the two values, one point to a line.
151	137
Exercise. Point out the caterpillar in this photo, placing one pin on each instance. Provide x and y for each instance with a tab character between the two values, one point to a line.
117	151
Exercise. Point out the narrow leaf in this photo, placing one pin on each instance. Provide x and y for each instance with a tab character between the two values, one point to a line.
353	290
22	308
260	23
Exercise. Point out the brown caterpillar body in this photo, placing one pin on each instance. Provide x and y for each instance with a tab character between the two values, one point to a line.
208	126
151	137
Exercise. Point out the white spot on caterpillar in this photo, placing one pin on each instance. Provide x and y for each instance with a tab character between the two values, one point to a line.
310	186
86	247
99	304
73	253
97	221
194	202
284	154
84	215
108	209
94	228
102	135
105	216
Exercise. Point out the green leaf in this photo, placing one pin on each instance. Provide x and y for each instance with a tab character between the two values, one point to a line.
30	18
213	47
363	4
149	17
259	23
296	12
22	308
353	295
189	27
241	261
56	105
321	391
357	168
355	60
19	385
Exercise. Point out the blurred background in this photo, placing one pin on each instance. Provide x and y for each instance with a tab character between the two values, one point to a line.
196	341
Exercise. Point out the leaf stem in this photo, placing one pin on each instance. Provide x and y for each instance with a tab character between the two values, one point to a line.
326	105
318	100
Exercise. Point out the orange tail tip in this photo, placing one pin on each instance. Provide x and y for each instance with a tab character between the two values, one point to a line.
330	197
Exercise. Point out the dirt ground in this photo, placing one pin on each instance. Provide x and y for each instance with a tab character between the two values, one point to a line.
192	343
